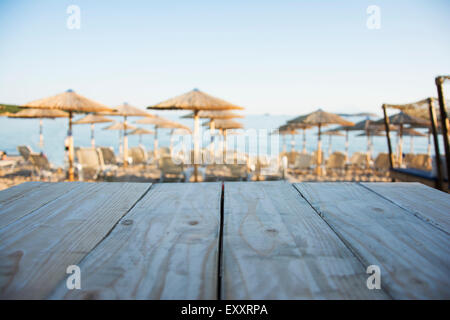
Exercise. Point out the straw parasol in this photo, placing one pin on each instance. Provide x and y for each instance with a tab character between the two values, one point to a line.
119	126
330	134
196	101
320	119
400	119
72	103
92	119
140	132
285	130
39	114
125	110
223	125
160	123
304	127
213	115
412	133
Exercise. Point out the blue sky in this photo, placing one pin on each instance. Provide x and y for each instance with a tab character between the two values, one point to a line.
283	57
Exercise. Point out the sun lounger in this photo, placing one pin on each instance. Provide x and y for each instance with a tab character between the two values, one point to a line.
303	162
381	163
25	152
138	155
90	163
419	161
109	157
359	160
171	170
41	165
336	162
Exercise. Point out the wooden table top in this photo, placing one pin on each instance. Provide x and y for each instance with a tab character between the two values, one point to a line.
242	240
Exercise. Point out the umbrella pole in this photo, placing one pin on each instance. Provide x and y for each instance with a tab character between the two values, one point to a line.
304	140
400	146
292	142
319	153
225	145
125	143
41	135
196	144
429	143
92	136
155	143
346	145
329	145
71	155
212	128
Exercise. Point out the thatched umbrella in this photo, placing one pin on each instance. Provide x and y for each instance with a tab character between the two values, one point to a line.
223	125
330	134
196	101
120	126
125	110
213	115
140	132
72	103
285	130
160	123
412	133
92	119
320	119
367	126
401	119
39	114
304	127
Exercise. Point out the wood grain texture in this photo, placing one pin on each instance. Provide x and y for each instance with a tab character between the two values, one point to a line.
36	250
275	246
23	199
166	247
413	255
426	203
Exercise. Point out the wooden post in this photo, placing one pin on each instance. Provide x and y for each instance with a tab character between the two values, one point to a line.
319	152
71	151
436	144
329	145
155	144
125	143
400	146
212	128
292	141
92	136
196	144
304	140
388	137
346	145
444	121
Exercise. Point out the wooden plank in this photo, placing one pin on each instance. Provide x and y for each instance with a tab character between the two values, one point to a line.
36	250
275	246
27	197
427	203
414	256
166	247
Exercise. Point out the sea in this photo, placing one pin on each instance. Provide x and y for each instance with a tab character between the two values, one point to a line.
16	132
